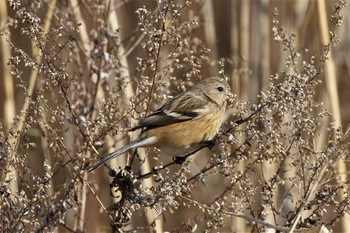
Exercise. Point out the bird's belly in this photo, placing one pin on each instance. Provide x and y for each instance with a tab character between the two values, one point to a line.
179	138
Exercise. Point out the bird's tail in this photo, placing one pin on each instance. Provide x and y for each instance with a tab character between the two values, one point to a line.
137	143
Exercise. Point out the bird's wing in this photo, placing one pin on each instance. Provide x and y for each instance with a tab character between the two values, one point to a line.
184	107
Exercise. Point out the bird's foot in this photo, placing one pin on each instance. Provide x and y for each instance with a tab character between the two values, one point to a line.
209	144
179	159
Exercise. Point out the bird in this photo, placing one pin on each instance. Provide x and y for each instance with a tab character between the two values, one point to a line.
188	119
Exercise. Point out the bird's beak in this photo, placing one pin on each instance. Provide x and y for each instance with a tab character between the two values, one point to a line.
230	96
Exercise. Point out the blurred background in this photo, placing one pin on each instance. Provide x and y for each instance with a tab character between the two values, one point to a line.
108	43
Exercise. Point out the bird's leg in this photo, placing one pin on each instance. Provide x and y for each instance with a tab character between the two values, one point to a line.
179	159
209	144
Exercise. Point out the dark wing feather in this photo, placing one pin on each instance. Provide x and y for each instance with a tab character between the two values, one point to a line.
184	107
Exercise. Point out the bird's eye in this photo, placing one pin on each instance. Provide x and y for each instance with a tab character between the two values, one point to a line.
220	89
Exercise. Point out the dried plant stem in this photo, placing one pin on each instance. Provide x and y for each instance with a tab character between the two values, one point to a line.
332	89
83	29
86	49
128	94
101	63
133	46
234	43
45	148
243	86
305	23
95	195
310	193
9	105
150	214
265	48
248	218
267	169
13	140
318	178
330	73
81	216
210	33
245	48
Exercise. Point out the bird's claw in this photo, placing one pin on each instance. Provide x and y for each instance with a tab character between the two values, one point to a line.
209	144
179	159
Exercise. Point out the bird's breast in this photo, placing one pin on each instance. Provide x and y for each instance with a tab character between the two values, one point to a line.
175	138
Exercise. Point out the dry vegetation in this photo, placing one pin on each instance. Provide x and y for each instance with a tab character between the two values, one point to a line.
76	75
